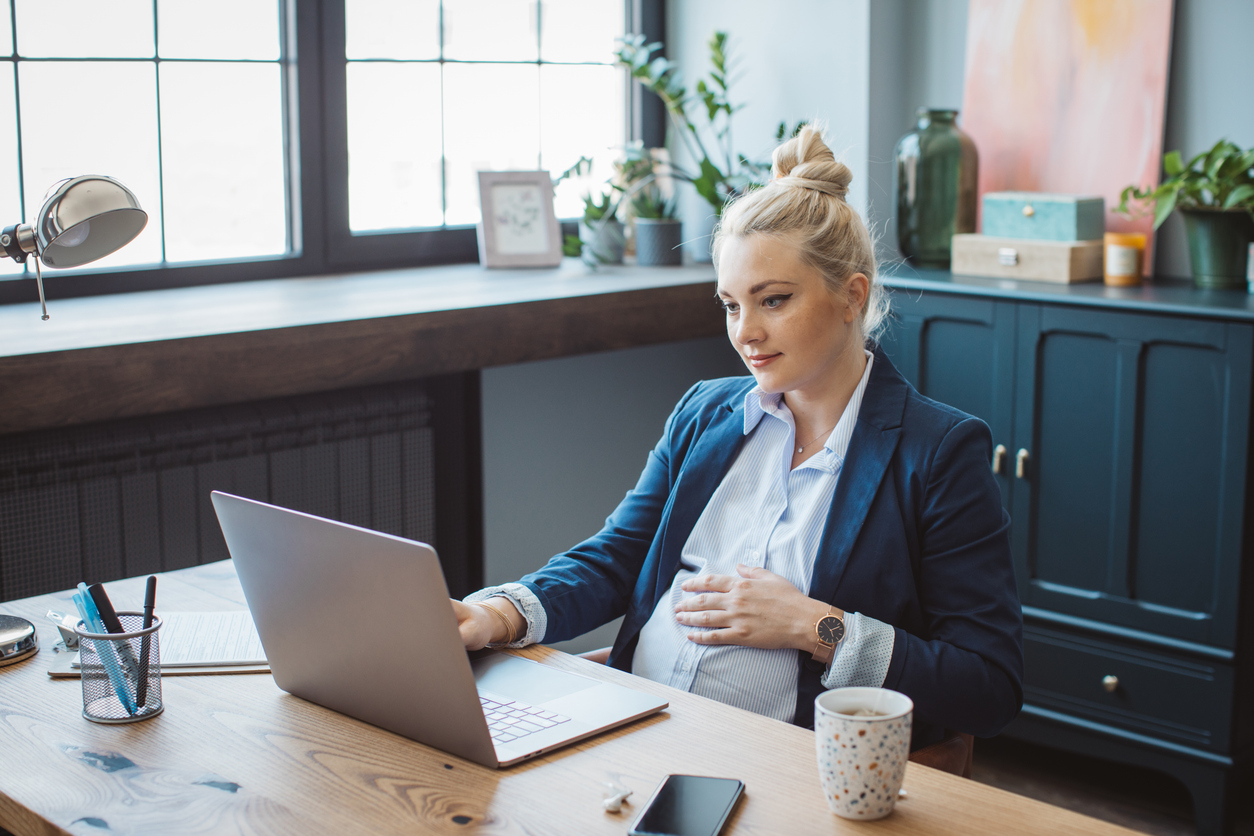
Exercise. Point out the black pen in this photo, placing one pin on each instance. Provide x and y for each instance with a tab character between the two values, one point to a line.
113	624
150	600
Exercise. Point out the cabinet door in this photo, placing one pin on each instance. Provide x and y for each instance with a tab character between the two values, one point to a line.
1134	430
960	351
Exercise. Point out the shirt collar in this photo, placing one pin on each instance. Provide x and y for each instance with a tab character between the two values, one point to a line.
759	403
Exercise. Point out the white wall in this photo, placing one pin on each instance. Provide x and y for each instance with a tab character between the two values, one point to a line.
564	440
794	60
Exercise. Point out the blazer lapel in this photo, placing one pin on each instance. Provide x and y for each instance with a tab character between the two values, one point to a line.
705	465
871	449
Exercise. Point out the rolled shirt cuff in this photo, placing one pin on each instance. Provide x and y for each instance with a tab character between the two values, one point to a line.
526	602
862	659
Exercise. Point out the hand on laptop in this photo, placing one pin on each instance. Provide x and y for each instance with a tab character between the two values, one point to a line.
488	623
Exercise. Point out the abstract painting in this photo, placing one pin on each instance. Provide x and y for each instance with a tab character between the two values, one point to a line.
1069	96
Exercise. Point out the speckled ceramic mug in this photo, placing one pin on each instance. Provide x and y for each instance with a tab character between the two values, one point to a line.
862	737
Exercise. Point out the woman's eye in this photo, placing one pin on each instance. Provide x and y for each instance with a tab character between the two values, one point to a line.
774	301
730	307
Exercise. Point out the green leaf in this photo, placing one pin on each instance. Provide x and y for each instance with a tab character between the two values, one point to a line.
1172	163
1166	205
1240	196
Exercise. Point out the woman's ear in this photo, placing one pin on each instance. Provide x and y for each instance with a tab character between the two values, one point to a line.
856	291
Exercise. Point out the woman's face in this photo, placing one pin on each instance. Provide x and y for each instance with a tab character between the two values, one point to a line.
792	331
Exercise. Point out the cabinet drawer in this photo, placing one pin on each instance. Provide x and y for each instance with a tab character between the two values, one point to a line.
1167	696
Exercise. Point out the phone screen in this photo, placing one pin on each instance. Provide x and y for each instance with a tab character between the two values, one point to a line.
688	805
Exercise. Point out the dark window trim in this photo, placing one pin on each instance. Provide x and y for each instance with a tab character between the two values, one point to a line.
321	241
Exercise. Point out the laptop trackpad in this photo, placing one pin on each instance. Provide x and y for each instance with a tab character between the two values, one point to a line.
524	680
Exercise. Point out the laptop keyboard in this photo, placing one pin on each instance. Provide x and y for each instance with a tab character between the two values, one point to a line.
510	720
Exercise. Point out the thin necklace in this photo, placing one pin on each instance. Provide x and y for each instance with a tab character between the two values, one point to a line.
802	448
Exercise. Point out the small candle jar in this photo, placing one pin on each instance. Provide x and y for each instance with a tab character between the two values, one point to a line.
1124	258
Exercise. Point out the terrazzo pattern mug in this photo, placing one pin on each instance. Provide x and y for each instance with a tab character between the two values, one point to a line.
862	738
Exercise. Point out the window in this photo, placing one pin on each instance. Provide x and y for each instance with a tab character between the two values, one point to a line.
138	90
270	138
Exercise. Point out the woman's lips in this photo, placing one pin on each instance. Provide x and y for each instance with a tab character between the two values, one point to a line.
759	361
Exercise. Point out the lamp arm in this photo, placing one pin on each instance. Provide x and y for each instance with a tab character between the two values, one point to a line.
18	242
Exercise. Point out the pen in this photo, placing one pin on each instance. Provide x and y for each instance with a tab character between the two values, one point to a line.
150	601
113	624
91	619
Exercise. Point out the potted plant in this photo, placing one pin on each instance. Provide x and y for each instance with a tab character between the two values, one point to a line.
601	233
658	236
1214	192
702	121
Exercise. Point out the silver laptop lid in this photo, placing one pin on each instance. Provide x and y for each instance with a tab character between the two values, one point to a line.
386	653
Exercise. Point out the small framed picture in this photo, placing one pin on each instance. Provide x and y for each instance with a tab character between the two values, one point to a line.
519	227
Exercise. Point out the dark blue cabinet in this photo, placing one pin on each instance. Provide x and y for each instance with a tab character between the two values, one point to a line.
1122	451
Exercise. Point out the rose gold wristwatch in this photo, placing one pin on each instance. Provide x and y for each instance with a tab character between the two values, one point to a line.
828	632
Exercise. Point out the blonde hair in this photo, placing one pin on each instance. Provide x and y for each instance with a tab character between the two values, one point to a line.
805	201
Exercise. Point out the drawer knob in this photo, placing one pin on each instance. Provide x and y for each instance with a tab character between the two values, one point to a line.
999	456
1007	256
1028	211
1110	683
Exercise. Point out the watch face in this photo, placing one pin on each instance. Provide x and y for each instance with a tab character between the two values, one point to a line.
831	629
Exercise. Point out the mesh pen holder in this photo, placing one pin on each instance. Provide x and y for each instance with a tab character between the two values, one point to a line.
121	672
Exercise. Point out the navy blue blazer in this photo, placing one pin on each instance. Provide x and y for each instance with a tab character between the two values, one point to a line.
916	537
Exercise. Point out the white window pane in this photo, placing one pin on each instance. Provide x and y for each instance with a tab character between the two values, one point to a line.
221	29
491	123
393	146
85	28
490	30
10	198
408	29
580	30
225	194
6	28
581	115
104	122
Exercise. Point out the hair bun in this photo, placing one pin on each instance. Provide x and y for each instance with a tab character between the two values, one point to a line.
806	162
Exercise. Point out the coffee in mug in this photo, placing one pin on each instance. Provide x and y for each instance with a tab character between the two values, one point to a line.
862	739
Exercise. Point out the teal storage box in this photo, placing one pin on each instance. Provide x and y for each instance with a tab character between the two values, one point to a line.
1044	217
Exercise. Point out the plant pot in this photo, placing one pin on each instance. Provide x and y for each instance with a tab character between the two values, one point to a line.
603	240
1219	246
658	242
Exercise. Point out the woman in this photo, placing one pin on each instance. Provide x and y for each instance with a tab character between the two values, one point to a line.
819	525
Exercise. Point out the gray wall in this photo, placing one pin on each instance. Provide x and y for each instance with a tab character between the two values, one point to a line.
563	440
865	65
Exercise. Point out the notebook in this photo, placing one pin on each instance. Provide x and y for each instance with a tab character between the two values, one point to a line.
322	593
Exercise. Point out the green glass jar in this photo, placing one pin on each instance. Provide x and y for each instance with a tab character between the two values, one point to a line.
936	178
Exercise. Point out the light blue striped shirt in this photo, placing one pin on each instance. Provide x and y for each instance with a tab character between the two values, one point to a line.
763	513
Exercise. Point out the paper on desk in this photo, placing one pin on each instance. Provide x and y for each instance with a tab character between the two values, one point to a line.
208	639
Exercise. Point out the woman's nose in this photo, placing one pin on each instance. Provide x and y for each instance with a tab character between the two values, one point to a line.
748	328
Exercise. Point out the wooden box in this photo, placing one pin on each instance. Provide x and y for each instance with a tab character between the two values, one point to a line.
1043	216
1015	258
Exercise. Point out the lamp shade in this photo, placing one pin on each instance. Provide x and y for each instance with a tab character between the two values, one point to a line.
87	218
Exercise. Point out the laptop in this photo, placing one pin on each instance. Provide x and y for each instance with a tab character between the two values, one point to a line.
360	622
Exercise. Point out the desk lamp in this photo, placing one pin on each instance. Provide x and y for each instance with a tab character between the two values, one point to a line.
85	218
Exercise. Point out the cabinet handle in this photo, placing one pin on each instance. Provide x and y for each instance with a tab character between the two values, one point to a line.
1110	683
1021	463
999	456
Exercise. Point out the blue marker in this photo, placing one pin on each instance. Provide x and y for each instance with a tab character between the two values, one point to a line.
91	619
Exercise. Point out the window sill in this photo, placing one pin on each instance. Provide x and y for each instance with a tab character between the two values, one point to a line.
107	357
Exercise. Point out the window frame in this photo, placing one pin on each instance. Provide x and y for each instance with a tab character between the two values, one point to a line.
315	90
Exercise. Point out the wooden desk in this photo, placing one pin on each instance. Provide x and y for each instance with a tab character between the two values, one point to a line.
234	754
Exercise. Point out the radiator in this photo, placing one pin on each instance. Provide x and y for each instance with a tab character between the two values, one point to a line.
131	497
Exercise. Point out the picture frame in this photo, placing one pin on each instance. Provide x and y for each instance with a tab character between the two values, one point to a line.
518	226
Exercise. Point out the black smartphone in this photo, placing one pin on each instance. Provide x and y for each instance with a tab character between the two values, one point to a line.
688	805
